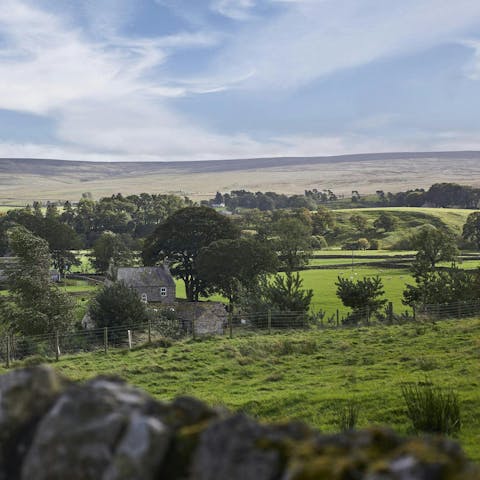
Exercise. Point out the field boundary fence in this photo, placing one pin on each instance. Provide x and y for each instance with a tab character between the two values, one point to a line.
162	331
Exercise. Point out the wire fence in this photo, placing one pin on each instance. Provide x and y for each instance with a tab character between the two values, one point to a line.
162	330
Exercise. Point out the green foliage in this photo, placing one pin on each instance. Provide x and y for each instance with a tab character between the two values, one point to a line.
359	222
385	222
432	409
180	239
318	242
292	242
447	287
323	221
286	293
37	306
110	251
471	229
434	245
228	265
361	295
347	415
117	306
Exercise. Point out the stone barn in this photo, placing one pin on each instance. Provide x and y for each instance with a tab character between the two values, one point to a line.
153	284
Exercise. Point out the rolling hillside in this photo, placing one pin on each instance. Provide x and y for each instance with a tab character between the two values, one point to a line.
23	180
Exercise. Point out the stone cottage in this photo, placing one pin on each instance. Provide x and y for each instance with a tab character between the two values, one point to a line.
153	284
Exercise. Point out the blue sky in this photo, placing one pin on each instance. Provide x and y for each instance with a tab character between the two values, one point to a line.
212	79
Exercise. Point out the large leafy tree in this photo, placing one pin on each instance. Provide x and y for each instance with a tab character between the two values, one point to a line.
471	229
110	251
293	242
433	245
180	239
228	266
37	306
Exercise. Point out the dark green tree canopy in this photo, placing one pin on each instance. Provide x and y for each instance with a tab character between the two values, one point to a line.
361	295
117	305
110	251
448	286
226	266
434	245
471	229
37	306
385	221
293	242
180	239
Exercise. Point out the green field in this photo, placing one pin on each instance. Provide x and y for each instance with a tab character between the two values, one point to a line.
308	375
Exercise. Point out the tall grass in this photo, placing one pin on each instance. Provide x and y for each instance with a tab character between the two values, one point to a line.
432	409
347	416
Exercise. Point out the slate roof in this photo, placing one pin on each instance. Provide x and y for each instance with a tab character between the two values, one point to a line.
145	276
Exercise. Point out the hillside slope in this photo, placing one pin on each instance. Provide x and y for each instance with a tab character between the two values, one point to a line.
23	180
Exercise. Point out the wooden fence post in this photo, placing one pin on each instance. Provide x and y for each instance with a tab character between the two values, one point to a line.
368	315
269	321
414	313
230	324
390	312
149	330
129	334
338	318
57	346
105	339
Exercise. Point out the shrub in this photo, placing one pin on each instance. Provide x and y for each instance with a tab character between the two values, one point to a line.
347	416
432	409
117	306
319	242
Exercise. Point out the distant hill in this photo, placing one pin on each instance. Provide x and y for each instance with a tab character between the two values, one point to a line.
22	180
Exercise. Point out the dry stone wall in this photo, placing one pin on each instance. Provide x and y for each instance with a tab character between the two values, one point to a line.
103	429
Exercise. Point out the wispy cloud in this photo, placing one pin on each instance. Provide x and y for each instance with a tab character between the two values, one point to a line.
314	39
234	9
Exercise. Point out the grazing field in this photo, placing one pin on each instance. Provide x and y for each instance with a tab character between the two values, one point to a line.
309	375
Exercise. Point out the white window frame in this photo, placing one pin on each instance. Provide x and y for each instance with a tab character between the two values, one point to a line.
144	297
163	291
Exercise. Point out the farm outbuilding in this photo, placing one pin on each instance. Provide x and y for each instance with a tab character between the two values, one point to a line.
153	284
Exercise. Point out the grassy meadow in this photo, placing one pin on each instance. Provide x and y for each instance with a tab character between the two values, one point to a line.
309	375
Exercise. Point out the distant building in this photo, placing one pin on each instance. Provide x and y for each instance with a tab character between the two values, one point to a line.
153	284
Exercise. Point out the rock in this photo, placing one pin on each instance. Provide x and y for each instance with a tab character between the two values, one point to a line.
25	396
238	448
102	430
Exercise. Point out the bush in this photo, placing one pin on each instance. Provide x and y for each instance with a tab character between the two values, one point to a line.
432	409
319	242
117	306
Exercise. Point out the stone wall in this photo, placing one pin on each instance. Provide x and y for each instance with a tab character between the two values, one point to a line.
52	429
207	318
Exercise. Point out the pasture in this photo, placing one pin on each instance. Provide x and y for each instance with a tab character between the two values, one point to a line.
309	375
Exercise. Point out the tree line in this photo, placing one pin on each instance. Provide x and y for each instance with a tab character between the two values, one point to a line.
438	195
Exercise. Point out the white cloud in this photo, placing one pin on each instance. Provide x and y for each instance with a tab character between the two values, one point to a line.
313	39
234	9
109	102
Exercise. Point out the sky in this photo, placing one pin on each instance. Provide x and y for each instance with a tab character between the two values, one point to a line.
183	80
